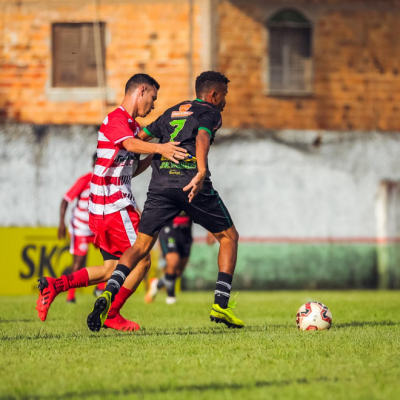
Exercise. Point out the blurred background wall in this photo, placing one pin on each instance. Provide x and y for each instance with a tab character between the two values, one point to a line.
307	160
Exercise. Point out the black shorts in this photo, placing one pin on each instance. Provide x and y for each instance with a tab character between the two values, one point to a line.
163	205
176	239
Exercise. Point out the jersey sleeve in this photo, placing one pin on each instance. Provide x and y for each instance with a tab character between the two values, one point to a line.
210	121
77	188
117	130
155	128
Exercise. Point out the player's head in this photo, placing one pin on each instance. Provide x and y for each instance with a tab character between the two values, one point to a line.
212	87
144	89
94	159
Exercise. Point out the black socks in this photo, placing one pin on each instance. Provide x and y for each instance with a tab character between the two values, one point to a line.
223	289
169	282
117	279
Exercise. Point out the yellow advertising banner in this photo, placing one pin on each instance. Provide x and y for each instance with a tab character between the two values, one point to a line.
29	253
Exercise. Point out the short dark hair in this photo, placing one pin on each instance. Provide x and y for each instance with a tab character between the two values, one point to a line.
94	157
209	80
140	79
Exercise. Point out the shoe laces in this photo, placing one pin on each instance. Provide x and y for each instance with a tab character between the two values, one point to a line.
232	303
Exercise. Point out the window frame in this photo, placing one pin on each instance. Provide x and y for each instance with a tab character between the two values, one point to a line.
307	24
55	86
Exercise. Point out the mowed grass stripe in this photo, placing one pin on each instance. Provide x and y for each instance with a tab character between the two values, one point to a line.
180	354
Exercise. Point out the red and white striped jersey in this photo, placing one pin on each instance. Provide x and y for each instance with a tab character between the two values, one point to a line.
79	224
110	187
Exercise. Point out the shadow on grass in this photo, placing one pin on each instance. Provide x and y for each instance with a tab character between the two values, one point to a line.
215	386
357	324
110	334
40	335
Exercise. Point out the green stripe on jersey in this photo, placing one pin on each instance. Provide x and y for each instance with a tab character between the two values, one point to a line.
147	132
206	129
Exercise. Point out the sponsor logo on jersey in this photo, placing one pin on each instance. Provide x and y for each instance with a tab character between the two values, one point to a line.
128	160
183	111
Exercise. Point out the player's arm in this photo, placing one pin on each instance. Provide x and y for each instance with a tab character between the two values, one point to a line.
77	188
170	150
143	165
202	149
61	226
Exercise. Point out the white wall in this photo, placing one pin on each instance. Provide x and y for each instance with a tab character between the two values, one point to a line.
279	186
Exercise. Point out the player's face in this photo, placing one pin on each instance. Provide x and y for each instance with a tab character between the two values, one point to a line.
147	98
219	97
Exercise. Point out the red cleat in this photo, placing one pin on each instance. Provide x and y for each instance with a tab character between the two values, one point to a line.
119	323
46	296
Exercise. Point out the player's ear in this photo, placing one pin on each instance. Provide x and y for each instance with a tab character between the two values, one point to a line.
143	90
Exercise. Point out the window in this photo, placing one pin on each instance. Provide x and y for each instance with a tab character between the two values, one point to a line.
290	59
75	62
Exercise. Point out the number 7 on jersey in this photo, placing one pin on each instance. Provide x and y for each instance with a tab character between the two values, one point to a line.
178	124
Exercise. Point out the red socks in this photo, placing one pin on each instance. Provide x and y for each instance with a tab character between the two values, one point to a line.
77	279
71	294
120	298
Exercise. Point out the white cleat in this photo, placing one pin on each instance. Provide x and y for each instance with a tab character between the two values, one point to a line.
152	292
170	300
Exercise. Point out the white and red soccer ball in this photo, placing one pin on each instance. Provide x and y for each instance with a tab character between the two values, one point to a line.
313	316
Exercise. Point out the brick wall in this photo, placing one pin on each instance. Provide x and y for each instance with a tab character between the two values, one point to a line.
356	66
141	36
355	45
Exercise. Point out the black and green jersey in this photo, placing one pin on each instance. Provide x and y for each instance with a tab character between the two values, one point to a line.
181	123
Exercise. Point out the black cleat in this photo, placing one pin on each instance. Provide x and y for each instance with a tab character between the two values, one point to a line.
43	283
96	318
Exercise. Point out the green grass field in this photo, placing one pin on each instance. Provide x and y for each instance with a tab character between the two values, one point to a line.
179	354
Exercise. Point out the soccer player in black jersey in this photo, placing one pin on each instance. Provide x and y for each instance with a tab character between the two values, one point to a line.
185	186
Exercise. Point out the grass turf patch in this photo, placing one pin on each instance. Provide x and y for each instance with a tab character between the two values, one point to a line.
180	354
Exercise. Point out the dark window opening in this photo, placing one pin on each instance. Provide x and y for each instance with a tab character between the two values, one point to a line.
290	53
78	55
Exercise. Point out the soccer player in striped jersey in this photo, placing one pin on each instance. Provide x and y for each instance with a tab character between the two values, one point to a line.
78	228
113	217
185	186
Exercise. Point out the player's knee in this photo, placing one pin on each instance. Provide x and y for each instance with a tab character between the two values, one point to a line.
229	236
235	236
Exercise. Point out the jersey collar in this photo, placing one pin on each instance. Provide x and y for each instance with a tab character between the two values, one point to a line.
129	117
205	102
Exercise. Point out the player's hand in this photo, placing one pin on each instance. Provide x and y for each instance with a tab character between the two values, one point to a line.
195	185
61	232
172	151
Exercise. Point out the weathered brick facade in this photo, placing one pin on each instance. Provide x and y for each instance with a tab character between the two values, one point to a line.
356	66
356	59
141	36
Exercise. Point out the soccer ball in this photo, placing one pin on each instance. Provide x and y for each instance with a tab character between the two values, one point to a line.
313	316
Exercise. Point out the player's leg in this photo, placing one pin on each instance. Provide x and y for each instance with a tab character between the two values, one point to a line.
158	210
107	240
171	274
208	210
169	249
221	310
114	318
177	263
174	274
184	245
79	262
130	260
78	248
50	288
